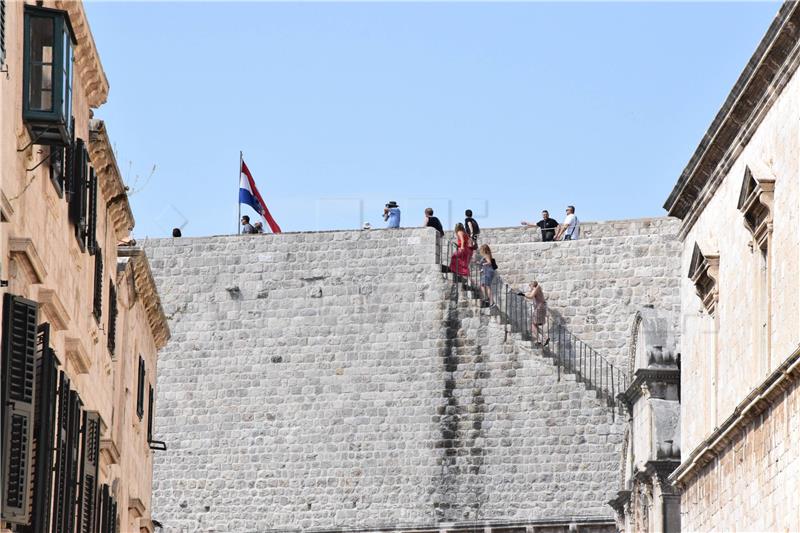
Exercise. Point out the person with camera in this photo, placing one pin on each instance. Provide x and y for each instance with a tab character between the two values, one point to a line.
391	214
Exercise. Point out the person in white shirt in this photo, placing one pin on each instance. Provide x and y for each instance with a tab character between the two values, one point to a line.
570	229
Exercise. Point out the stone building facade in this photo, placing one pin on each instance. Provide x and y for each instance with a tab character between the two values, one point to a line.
337	380
81	320
738	201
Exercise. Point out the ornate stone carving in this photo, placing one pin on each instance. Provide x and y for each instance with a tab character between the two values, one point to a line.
110	180
755	201
704	273
23	251
87	60
145	288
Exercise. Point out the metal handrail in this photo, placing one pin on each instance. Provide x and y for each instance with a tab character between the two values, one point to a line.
520	315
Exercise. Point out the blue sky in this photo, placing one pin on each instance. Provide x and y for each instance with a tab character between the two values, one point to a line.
506	108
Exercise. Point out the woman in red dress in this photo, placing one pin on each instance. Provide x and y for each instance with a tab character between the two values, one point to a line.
459	263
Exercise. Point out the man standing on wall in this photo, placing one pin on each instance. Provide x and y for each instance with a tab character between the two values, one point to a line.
471	225
246	226
570	229
547	225
432	221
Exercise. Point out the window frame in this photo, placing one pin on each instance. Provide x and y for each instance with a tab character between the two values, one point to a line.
50	126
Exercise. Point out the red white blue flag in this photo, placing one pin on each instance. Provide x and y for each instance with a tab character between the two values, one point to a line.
248	194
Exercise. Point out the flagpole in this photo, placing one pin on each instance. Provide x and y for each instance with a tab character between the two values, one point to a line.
238	181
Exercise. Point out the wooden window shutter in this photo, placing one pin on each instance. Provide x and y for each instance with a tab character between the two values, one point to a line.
101	517
140	390
106	511
73	444
18	370
113	516
63	500
78	190
90	464
112	319
69	167
2	31
43	433
150	414
97	307
91	222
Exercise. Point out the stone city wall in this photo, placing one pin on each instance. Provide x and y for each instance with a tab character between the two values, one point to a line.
335	380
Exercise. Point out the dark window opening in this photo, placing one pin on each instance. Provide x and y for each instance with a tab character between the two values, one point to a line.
112	319
91	220
58	168
2	31
140	390
97	307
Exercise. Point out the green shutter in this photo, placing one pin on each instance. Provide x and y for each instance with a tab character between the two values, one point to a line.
78	189
2	31
97	307
112	319
91	221
18	380
140	391
44	432
90	467
61	500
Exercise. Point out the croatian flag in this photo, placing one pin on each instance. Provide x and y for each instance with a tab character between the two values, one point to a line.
248	194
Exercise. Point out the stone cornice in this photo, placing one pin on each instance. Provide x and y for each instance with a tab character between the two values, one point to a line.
760	84
87	60
110	180
146	290
76	353
758	401
644	378
24	249
56	311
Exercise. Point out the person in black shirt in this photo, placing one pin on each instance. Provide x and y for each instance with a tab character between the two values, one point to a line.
471	225
432	221
547	225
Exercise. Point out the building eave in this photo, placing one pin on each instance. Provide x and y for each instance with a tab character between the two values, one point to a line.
146	290
110	179
87	59
775	60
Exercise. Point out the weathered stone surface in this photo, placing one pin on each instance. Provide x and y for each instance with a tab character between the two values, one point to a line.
345	384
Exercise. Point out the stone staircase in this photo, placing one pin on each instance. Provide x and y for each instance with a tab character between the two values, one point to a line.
571	449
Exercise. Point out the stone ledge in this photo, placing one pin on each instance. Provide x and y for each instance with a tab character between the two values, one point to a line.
24	249
55	310
76	353
146	288
594	524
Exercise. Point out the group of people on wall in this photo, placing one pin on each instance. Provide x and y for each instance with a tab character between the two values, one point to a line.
466	237
569	230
